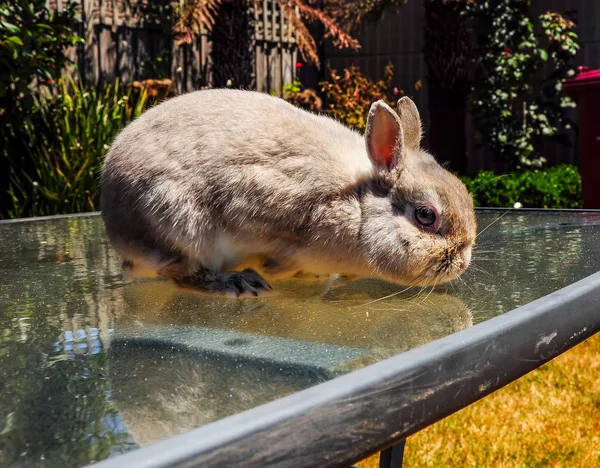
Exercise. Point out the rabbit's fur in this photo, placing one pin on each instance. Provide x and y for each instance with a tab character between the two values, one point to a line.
217	180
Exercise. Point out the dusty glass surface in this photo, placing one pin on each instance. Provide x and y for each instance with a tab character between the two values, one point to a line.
93	364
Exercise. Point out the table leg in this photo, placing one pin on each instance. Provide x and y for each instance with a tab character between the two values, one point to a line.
392	457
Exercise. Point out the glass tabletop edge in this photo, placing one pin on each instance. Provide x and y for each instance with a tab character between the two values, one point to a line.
87	214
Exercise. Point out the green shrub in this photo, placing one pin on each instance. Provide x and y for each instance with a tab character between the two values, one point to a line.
33	41
521	61
32	45
557	187
68	135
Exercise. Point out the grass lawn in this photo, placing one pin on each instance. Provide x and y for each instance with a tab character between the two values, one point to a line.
550	417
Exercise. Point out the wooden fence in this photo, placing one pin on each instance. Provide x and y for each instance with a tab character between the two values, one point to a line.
275	51
121	42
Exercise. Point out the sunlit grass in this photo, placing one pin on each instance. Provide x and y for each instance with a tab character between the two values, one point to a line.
550	417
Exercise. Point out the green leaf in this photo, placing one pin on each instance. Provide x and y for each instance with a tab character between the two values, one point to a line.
12	28
543	55
15	40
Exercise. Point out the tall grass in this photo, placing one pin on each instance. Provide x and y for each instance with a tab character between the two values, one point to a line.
67	136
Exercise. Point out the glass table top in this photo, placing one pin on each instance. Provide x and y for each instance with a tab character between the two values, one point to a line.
94	364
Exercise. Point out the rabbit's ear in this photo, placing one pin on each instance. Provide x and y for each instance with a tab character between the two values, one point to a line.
384	137
411	122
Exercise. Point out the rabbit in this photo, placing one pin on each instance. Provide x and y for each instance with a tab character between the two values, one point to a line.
219	189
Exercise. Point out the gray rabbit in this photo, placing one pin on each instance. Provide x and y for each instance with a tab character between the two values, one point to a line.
217	189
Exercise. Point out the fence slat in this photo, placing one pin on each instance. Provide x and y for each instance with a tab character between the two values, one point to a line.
107	49
115	15
90	62
266	18
205	59
177	64
274	21
274	63
102	13
287	65
126	65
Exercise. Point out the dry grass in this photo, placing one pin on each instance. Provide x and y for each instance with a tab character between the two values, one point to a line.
549	418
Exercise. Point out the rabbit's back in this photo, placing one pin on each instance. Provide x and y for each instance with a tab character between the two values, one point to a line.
221	129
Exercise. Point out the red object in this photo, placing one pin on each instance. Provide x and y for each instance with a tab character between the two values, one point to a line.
298	65
585	91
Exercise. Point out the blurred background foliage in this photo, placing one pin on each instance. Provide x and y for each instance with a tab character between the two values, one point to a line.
495	61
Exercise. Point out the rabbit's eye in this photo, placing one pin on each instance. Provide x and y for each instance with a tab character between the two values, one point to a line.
427	217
